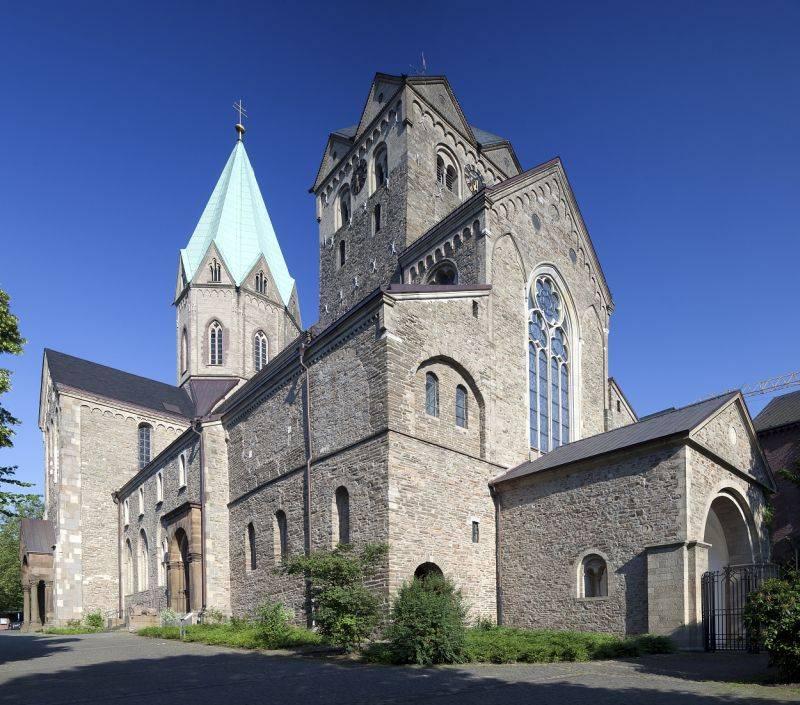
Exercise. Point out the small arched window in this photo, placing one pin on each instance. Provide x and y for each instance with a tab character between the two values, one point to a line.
128	567
380	167
342	253
341	525
145	431
447	170
182	470
126	512
344	212
261	350
261	283
594	574
376	218
142	571
141	501
450	178
444	274
431	394
159	487
461	406
163	560
251	547
215	343
440	169
216	270
281	536
184	351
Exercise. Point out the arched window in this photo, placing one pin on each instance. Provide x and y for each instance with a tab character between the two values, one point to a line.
342	253
376	218
162	562
126	511
447	170
594	575
145	431
341	523
251	547
184	351
142	568
128	568
159	487
443	274
440	169
182	470
141	501
261	283
216	270
344	211
548	366
461	406
215	343
261	350
281	536
431	394
380	167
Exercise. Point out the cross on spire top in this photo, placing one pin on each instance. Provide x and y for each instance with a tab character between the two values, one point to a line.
239	108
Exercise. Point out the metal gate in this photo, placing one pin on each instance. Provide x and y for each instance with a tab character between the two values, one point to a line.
724	595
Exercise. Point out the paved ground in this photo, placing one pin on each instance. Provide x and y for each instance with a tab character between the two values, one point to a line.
120	669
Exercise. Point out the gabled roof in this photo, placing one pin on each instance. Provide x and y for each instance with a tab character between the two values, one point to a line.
781	411
37	535
115	384
237	222
486	138
659	426
346	132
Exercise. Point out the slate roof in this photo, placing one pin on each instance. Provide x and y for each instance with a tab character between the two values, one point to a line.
653	428
116	384
37	535
486	138
236	220
347	132
781	411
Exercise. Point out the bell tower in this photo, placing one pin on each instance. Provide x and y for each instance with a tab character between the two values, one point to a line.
236	303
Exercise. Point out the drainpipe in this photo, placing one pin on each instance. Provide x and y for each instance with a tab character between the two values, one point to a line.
497	544
307	419
199	422
115	497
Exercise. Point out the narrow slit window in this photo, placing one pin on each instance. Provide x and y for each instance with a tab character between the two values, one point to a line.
461	407
431	394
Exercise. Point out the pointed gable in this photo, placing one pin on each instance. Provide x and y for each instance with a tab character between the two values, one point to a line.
437	92
382	89
236	221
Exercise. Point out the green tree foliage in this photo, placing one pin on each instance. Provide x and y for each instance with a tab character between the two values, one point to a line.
772	615
345	610
10	586
428	622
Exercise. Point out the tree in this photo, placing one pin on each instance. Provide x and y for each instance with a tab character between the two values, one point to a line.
29	506
11	343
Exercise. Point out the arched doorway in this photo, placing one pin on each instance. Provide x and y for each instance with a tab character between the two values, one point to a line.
178	573
426	570
41	597
727	530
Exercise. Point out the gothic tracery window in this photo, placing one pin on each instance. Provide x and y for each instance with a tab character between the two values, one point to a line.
261	283
145	431
216	270
261	350
548	366
215	343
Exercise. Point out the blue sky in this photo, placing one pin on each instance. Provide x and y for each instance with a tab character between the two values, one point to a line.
677	124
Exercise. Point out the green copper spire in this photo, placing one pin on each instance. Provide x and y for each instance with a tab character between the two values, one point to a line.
236	221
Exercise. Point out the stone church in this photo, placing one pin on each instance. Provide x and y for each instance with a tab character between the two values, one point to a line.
453	401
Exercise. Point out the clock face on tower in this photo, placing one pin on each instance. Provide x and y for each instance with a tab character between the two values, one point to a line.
359	176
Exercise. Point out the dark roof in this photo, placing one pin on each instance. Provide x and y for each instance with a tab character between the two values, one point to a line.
679	421
207	392
115	384
486	138
434	288
347	132
37	535
781	411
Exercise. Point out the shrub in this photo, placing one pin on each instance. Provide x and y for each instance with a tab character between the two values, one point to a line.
95	620
772	615
272	624
428	622
345	611
213	616
169	618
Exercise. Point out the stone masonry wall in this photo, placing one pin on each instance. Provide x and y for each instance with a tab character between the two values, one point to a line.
550	521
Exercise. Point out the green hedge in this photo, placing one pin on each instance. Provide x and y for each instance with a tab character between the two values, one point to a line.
242	635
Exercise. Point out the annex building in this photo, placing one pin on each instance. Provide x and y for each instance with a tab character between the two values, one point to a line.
453	401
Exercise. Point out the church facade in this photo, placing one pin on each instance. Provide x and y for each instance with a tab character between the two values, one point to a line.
453	401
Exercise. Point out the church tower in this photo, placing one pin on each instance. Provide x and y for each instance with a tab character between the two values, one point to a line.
235	300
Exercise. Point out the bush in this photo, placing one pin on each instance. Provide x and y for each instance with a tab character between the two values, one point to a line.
169	618
345	611
428	623
772	616
272	624
95	620
213	616
243	635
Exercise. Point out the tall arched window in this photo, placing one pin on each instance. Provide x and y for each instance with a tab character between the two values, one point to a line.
342	253
376	218
184	351
380	168
341	524
145	431
159	487
142	568
447	170
251	547
344	211
594	576
548	366
261	350
141	501
461	406
431	394
182	470
215	343
163	559
281	536
216	270
128	568
261	283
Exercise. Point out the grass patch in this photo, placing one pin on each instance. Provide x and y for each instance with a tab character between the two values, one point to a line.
72	630
506	645
239	635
